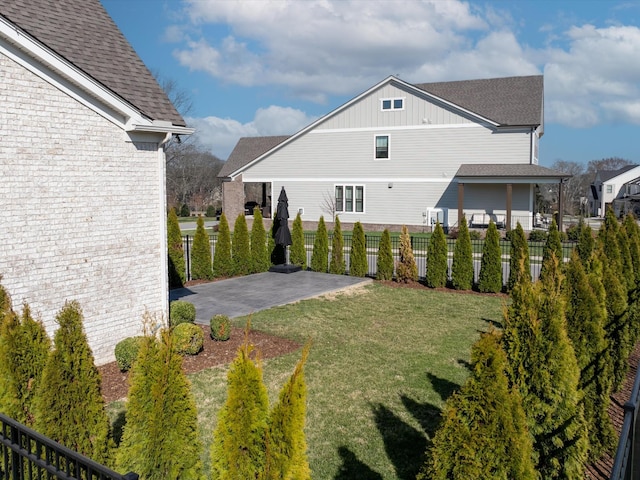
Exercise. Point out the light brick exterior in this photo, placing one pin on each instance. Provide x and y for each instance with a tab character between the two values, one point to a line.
82	209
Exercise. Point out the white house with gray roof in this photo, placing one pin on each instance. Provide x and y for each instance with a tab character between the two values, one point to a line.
611	185
82	195
408	154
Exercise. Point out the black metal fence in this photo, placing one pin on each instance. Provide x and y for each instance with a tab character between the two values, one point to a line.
419	244
627	455
28	455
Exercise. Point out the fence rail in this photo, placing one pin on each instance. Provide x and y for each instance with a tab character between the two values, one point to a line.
624	465
419	244
27	455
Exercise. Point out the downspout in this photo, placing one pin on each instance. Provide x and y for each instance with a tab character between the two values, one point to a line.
164	269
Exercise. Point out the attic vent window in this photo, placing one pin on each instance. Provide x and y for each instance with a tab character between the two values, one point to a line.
392	104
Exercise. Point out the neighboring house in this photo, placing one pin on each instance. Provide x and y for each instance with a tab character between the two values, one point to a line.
82	169
609	185
407	154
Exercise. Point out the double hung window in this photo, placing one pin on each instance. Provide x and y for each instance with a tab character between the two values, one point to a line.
382	146
349	198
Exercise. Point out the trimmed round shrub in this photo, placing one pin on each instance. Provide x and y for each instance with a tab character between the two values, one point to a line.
127	352
538	236
181	312
475	235
220	327
187	338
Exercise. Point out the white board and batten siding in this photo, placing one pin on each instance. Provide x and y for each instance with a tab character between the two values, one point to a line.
83	210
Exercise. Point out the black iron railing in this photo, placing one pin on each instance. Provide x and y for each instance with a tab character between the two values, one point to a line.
28	455
624	467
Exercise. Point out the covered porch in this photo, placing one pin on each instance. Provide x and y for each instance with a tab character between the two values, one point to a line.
504	192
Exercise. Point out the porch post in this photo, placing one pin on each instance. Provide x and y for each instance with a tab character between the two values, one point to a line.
460	202
509	196
560	205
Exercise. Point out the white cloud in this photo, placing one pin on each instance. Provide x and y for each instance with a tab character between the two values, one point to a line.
596	78
220	135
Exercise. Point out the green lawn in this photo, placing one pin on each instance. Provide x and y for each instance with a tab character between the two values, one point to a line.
382	363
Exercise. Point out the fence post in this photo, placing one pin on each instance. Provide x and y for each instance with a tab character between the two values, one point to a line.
188	276
15	458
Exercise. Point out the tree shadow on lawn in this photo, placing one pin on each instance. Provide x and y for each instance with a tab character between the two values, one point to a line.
404	444
442	386
352	468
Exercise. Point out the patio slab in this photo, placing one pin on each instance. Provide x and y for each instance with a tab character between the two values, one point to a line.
244	295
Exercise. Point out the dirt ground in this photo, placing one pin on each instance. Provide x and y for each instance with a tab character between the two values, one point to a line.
115	383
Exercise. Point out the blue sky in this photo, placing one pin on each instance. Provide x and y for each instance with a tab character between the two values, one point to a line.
258	67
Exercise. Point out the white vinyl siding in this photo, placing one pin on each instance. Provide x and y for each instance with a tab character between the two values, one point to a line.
420	153
416	111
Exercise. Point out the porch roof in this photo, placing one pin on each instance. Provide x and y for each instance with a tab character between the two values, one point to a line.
508	173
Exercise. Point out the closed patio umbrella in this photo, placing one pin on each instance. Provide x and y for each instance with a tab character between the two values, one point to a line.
282	237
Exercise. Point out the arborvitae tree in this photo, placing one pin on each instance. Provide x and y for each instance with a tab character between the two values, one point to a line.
320	255
358	265
185	211
238	448
406	269
490	276
484	429
462	267
337	265
259	258
519	266
585	245
160	439
617	326
544	368
437	259
586	315
286	446
177	274
384	267
240	249
24	349
201	253
298	249
69	405
625	259
222	263
608	239
633	232
552	245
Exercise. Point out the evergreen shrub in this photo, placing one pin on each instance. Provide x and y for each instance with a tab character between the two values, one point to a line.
126	352
259	255
437	259
222	264
220	326
177	274
298	250
241	250
475	235
320	255
490	276
201	253
462	267
187	338
337	265
184	210
384	268
211	212
181	311
358	265
406	270
519	266
574	231
538	236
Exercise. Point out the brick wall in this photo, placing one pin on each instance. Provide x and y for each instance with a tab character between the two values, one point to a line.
82	212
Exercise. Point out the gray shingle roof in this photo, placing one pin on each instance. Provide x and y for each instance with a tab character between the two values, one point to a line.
509	101
248	149
470	170
609	174
84	34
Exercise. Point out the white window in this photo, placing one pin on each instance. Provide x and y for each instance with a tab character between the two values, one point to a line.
349	198
382	146
388	104
609	188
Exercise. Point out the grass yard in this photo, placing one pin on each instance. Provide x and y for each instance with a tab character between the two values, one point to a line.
382	363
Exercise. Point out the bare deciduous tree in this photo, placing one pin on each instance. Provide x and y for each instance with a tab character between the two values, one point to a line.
611	163
328	205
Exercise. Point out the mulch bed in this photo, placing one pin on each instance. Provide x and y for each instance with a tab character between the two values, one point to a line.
115	384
